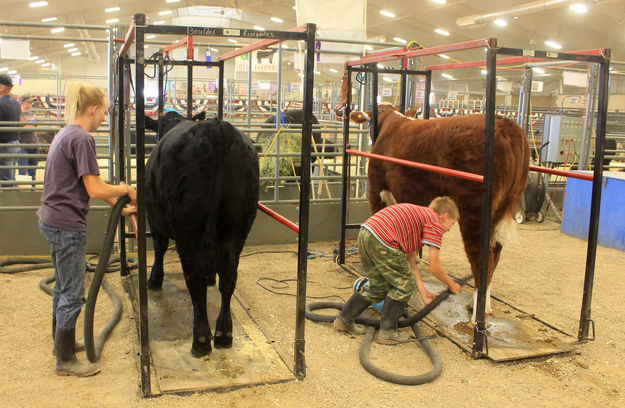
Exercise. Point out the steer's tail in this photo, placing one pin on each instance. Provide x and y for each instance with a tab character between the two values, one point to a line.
506	232
387	198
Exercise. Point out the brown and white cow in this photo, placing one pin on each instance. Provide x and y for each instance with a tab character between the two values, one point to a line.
456	143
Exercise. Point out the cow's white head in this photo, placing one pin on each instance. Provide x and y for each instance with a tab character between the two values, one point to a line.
362	117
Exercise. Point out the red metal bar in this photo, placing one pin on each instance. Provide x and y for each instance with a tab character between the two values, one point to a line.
379	57
512	60
258	45
392	51
190	47
422	166
572	174
185	41
130	38
279	218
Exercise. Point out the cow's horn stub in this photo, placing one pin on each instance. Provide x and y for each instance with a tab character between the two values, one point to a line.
359	117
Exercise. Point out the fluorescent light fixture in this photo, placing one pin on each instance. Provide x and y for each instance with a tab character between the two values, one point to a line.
47	64
159	22
172	1
112	20
4	69
145	46
388	14
500	22
232	40
277	19
440	1
387	79
317	72
444	56
75	54
441	32
484	72
38	4
32	58
368	48
11	72
447	76
580	8
259	28
48	19
538	70
300	75
72	49
69	45
333	70
294	7
57	30
214	50
40	61
165	12
399	40
553	44
111	9
150	36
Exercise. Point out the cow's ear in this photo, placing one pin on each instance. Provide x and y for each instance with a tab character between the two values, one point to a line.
359	117
151	123
200	116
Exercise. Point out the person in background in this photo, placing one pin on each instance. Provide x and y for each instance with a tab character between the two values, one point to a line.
9	112
72	177
26	102
387	243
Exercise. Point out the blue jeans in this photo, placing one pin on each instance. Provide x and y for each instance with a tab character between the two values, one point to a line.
8	174
29	161
68	252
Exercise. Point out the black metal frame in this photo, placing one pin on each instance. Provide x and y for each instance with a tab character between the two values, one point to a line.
480	347
136	33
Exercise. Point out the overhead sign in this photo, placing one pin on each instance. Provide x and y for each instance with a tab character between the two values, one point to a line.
262	61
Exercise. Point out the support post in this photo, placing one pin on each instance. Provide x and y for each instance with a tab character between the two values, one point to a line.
426	95
346	168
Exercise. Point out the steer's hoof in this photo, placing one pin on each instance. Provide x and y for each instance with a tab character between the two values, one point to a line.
223	341
155	284
200	350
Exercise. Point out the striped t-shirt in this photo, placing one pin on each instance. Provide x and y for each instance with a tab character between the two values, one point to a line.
406	227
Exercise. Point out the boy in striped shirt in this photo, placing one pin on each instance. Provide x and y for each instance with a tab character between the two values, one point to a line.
388	242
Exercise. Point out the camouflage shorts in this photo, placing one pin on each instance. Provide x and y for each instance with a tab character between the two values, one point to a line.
388	270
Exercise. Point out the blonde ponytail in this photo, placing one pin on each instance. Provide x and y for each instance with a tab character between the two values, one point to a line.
80	97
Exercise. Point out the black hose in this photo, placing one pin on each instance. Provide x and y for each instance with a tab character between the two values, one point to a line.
94	351
430	376
34	263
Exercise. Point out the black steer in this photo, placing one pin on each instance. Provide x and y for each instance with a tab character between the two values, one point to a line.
202	191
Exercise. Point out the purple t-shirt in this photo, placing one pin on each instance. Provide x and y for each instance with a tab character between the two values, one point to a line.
65	202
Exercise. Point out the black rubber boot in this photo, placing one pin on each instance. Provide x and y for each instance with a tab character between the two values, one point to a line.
391	312
354	306
66	361
78	346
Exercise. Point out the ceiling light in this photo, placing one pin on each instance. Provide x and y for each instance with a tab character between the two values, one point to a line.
40	61
47	64
75	54
112	20
214	50
57	30
579	8
441	31
484	72
159	22
145	46
333	70
232	40
387	79
538	70
111	9
399	40
69	45
4	69
553	44
32	58
440	1
444	56
172	1
150	36
500	22
259	28
165	12
11	72
72	50
277	20
380	66
37	4
368	48
48	19
317	72
447	76
388	14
